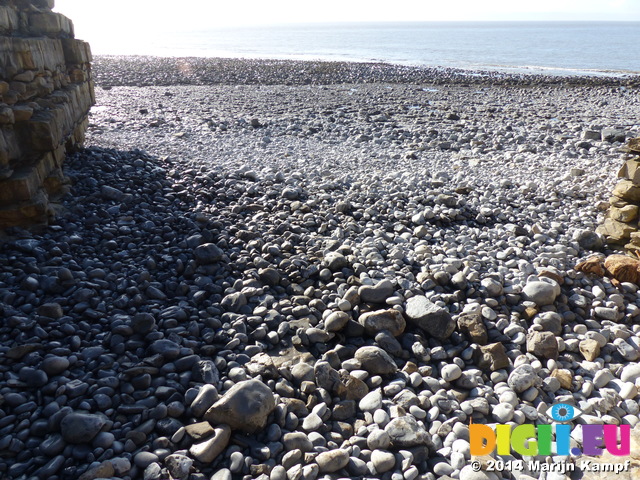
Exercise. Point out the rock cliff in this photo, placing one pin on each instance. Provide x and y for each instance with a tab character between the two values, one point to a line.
621	223
46	92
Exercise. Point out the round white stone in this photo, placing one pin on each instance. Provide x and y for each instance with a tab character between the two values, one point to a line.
450	372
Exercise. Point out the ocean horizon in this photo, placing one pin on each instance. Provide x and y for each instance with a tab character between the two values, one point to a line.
552	48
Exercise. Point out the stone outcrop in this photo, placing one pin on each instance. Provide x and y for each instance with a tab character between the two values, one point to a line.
621	223
46	92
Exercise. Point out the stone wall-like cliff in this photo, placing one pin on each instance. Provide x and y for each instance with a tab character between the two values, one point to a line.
620	226
46	92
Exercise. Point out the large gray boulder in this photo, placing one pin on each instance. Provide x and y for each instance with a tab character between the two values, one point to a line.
81	428
375	322
375	361
207	254
244	407
407	432
431	318
542	344
542	293
522	378
377	293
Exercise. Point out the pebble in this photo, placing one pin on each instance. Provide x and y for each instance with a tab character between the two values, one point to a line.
297	441
312	422
334	260
443	468
450	372
377	293
336	321
467	473
332	460
382	461
179	466
222	474
278	473
55	365
207	396
371	401
378	439
503	412
144	459
541	293
522	378
630	373
208	451
602	378
104	470
207	253
33	377
237	462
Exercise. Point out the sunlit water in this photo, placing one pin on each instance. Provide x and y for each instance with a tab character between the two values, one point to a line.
590	48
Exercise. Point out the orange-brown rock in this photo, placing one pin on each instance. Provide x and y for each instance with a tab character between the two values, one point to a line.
620	268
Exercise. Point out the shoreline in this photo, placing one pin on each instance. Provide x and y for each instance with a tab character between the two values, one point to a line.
144	70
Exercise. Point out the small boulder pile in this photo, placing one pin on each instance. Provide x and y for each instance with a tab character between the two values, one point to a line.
621	223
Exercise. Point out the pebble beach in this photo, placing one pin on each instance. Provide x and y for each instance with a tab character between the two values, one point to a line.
305	270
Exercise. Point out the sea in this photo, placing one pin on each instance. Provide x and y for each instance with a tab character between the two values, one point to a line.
552	48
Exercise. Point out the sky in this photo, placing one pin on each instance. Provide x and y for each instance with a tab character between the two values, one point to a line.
191	14
97	21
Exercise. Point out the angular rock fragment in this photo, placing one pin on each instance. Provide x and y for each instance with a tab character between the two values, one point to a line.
492	357
244	407
375	361
391	320
406	432
81	428
564	376
434	320
590	349
473	327
542	344
522	378
207	253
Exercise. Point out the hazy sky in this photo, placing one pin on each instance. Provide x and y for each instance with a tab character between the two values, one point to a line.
117	15
100	22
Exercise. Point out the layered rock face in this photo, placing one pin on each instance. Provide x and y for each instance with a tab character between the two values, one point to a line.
621	224
46	92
